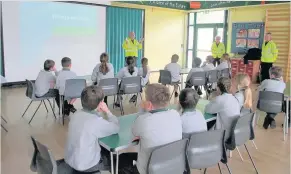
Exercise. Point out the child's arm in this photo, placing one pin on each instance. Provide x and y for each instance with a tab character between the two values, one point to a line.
94	74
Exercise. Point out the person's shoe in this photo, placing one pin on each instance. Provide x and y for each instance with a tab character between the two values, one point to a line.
133	99
176	94
273	124
266	123
117	105
73	109
199	92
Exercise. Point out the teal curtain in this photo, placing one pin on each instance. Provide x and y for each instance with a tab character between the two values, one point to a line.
119	22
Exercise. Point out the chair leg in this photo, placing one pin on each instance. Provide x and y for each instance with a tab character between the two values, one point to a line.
3	119
219	168
63	110
45	106
121	106
52	108
253	141
239	154
229	171
35	112
205	170
172	95
114	102
251	158
4	128
26	108
136	99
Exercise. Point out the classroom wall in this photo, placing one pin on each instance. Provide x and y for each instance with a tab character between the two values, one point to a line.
247	14
165	33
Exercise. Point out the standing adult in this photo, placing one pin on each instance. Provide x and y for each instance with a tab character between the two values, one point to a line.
131	46
217	50
269	56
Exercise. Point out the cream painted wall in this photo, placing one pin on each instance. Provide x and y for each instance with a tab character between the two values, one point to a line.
165	33
247	14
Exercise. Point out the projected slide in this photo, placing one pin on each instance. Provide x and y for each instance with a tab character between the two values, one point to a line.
35	31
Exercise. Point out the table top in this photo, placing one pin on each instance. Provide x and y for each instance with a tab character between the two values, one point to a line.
124	137
287	89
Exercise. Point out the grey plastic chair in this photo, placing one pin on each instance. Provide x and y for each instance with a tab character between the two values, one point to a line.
212	77
3	127
207	149
242	132
30	93
169	159
224	73
130	85
198	78
73	89
165	78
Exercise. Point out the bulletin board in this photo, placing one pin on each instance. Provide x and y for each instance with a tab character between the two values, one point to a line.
246	36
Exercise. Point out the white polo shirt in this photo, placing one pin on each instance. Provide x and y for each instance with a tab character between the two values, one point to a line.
97	75
64	75
193	121
44	81
123	72
175	70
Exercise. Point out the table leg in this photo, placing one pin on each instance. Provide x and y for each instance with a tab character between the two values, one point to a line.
112	165
117	161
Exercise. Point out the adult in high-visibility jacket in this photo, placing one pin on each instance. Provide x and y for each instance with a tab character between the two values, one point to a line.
269	56
131	46
217	50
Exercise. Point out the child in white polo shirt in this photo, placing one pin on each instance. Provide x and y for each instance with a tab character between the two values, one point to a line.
175	70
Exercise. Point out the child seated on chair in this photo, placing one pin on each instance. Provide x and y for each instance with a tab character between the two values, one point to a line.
208	64
144	72
83	152
102	70
64	75
45	81
175	70
225	105
275	84
195	68
129	71
244	93
192	119
225	63
150	129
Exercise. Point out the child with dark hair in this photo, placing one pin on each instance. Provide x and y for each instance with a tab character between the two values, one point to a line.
83	152
144	71
195	68
175	70
45	81
225	105
192	119
102	70
64	75
274	84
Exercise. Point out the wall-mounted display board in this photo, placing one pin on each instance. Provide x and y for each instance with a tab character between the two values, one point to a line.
246	35
180	5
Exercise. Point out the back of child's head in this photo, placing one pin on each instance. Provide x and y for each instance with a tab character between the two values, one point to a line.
175	58
243	83
91	97
130	61
104	69
275	72
225	57
66	62
48	64
196	62
209	59
158	95
188	98
224	85
144	61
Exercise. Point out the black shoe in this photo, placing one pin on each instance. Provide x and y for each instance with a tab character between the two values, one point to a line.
199	92
266	122
117	105
273	124
176	94
133	99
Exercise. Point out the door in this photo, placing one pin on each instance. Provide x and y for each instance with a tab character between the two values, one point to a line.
205	37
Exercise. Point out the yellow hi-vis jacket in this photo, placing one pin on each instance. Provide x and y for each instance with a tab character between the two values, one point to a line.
217	51
131	48
269	52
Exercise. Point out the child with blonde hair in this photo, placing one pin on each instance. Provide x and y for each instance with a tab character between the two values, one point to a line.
244	93
225	62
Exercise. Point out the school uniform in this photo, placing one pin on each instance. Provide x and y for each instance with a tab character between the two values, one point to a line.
274	85
226	106
208	67
145	75
152	134
223	65
97	75
64	75
188	79
44	84
175	70
240	96
123	72
193	121
83	152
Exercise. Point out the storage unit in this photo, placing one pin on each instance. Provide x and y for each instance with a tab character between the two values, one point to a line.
252	68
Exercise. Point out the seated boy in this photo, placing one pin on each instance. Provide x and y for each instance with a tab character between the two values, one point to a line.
175	70
195	68
157	127
83	152
45	81
224	64
64	75
208	65
275	84
192	119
